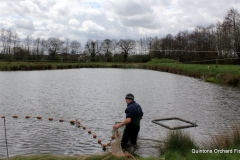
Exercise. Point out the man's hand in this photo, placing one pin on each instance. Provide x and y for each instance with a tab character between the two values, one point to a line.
126	121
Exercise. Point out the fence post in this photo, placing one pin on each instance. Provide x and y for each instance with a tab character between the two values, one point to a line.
6	136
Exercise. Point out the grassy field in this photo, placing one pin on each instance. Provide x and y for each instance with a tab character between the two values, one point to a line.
202	156
221	74
106	156
167	156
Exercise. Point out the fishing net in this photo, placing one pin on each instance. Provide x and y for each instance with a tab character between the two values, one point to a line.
116	148
114	152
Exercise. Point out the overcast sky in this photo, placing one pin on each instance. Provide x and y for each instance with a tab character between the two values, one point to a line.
100	19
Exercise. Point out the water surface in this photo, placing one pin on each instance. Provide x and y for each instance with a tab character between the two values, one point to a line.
96	97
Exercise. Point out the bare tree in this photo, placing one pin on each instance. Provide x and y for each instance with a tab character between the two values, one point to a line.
15	40
93	48
37	44
126	46
167	44
4	40
9	41
114	47
53	45
219	39
156	48
106	48
67	45
28	42
143	46
232	26
75	47
43	43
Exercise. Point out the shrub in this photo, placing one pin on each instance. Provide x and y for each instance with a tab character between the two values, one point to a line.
162	60
225	141
220	141
14	68
179	141
236	135
49	66
211	79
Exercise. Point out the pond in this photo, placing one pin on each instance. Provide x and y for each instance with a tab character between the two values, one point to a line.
96	98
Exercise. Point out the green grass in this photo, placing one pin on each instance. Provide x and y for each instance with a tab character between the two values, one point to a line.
221	74
179	141
162	60
106	156
203	69
179	146
236	135
43	157
201	156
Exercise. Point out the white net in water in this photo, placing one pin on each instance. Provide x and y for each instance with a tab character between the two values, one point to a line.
116	148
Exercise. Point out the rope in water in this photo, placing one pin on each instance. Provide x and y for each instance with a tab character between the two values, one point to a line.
73	122
78	124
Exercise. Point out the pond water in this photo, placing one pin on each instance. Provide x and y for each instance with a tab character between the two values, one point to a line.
96	98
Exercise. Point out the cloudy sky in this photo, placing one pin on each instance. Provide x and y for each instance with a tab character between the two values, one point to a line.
100	19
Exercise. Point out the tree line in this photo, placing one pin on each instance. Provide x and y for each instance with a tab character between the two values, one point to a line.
219	41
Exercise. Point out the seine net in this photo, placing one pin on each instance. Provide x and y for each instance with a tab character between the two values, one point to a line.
116	148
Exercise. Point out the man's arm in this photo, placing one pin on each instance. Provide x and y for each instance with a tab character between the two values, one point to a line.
126	121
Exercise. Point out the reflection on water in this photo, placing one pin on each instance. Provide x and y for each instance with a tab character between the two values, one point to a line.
96	97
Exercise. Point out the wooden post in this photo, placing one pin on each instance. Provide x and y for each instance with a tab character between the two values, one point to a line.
6	136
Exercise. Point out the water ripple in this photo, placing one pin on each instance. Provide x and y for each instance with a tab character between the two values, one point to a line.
96	98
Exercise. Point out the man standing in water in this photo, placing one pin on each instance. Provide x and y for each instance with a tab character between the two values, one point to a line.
132	122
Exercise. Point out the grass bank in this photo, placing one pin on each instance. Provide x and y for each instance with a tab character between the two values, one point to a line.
180	146
106	156
220	74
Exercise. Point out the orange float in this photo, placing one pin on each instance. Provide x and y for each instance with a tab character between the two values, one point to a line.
99	141
50	118
113	137
128	155
104	146
89	131
61	120
109	144
39	117
84	127
15	116
3	117
72	122
27	117
94	136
